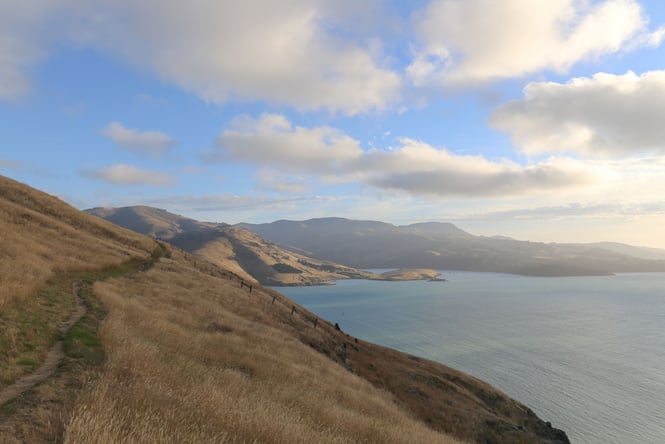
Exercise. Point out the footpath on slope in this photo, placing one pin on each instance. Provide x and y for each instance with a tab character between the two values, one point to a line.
53	357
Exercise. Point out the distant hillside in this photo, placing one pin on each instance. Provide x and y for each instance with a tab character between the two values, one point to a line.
153	222
187	354
628	250
369	244
241	251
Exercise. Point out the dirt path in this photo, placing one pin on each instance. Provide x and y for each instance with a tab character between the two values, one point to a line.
53	357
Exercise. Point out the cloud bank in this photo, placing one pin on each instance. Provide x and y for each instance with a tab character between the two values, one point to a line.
122	174
284	52
311	54
271	142
153	143
604	115
473	41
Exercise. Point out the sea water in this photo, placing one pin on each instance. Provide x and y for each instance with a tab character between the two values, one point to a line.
585	353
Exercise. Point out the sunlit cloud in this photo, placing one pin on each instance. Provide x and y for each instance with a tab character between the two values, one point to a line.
153	143
271	142
280	183
122	174
473	41
227	202
9	164
602	115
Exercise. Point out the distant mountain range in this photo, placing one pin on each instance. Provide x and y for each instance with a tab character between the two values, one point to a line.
370	244
311	252
238	250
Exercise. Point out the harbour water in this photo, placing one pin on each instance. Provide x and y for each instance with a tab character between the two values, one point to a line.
585	353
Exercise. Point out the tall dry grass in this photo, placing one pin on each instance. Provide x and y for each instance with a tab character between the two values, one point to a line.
41	234
193	358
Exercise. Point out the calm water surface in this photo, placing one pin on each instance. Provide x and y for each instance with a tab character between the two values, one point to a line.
586	353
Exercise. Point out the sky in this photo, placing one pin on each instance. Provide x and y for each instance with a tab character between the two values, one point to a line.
539	120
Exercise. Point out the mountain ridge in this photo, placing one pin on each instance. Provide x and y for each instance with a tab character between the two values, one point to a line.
437	245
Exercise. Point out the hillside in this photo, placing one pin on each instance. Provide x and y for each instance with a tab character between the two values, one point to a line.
41	235
370	244
245	253
628	250
185	354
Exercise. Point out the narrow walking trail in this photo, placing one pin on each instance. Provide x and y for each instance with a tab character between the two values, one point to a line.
53	357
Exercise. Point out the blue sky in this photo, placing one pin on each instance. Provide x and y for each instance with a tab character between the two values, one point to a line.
541	120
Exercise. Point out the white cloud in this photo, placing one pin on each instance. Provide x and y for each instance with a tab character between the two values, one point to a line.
273	144
420	169
605	115
471	41
153	143
285	52
603	210
20	47
121	174
226	202
274	182
9	163
14	58
271	140
246	50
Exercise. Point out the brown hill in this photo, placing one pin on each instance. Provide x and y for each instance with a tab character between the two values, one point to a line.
236	249
187	354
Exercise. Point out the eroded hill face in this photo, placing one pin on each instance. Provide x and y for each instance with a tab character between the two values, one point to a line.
241	251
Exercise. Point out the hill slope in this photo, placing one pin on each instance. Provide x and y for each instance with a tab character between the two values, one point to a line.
369	244
41	234
192	356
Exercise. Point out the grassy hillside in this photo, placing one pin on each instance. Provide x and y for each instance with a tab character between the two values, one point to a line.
41	234
186	353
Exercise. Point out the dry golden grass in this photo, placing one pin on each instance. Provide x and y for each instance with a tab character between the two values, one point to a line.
193	358
41	234
220	252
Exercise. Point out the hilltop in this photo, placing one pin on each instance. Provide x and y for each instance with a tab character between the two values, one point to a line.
443	246
186	353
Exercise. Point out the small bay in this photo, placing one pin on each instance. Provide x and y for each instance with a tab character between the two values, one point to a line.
586	353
